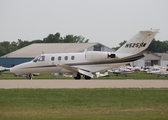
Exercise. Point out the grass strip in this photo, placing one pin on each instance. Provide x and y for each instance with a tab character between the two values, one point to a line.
140	75
99	103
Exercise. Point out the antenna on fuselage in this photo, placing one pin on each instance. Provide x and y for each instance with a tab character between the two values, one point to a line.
42	52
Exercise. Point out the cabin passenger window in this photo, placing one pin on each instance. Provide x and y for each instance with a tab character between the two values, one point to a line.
66	57
73	57
42	58
52	58
59	58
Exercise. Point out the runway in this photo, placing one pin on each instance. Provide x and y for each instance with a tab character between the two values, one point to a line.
7	84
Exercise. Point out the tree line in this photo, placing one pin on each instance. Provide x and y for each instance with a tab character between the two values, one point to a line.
7	47
155	46
158	46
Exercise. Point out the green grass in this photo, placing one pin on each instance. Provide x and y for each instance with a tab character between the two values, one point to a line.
141	75
85	104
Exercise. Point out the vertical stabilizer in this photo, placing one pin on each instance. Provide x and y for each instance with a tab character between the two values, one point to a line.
139	43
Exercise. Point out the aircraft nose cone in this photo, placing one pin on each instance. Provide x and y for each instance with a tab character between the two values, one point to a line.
13	69
21	68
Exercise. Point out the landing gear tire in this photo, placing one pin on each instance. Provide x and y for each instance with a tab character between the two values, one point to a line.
78	77
87	77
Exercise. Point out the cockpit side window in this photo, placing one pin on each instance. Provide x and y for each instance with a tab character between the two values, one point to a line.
42	58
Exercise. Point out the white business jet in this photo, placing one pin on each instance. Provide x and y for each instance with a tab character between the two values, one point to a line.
88	63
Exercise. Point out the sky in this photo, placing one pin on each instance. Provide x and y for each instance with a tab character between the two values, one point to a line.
108	22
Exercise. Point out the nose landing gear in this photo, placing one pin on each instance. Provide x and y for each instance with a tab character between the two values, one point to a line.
29	77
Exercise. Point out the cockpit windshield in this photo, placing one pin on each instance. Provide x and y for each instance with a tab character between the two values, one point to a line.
39	58
36	58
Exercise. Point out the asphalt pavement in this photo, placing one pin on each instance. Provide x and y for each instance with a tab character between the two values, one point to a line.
83	83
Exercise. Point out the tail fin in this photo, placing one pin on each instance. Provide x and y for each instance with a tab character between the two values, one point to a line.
106	73
139	43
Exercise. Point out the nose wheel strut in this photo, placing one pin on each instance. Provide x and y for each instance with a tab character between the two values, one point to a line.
29	77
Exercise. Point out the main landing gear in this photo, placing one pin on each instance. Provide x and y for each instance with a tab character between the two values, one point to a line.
87	77
78	77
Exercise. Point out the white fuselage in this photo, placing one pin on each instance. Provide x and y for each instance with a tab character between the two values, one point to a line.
77	60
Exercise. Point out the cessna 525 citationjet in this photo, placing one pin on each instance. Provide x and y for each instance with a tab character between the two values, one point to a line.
88	63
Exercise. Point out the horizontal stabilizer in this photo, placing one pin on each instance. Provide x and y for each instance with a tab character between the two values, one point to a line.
151	30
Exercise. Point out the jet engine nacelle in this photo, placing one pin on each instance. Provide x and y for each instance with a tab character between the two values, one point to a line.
98	55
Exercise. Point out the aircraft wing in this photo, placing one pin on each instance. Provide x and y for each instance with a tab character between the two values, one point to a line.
85	72
68	68
75	70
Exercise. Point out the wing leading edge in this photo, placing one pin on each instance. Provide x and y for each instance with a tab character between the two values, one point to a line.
76	70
